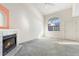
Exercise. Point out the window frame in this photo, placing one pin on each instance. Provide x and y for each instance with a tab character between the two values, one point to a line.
54	28
5	12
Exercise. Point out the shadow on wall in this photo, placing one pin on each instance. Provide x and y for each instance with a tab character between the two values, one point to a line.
27	20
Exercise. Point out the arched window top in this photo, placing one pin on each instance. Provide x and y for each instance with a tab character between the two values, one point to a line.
4	17
54	24
54	21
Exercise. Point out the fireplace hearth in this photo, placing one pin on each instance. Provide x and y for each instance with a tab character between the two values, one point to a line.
9	43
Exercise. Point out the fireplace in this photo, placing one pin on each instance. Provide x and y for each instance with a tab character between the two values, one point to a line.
9	43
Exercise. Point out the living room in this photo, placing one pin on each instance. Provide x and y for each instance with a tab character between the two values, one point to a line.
39	29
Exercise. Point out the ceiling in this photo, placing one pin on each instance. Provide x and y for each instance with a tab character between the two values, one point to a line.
48	8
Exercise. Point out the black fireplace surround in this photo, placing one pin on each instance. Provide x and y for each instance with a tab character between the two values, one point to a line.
9	43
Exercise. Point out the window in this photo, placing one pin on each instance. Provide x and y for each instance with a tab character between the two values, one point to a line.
54	24
4	17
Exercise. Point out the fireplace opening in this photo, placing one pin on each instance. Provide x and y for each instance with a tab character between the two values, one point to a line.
9	43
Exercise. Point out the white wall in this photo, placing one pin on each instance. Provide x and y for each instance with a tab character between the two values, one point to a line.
65	17
27	20
75	10
69	28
